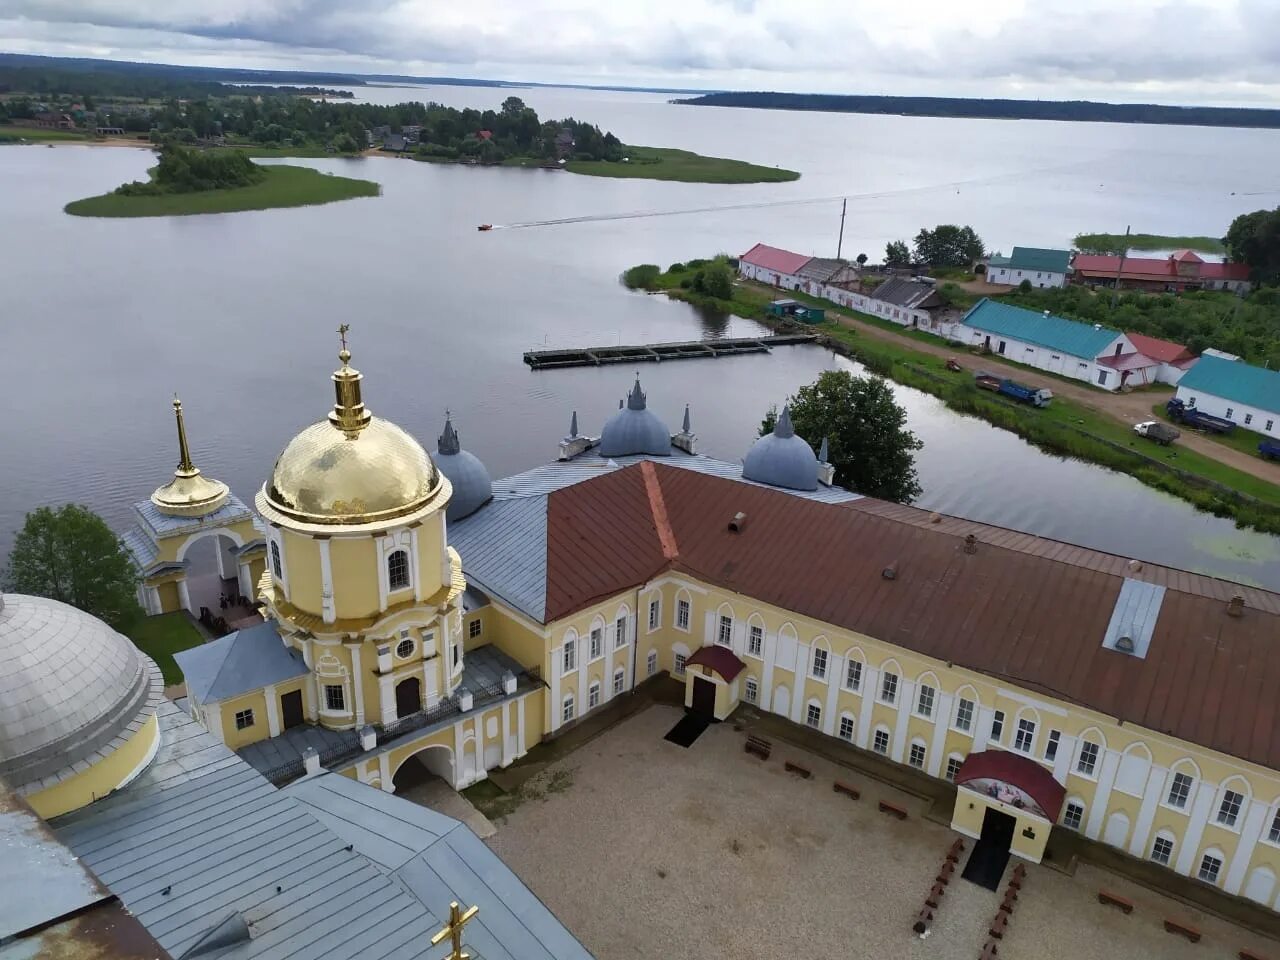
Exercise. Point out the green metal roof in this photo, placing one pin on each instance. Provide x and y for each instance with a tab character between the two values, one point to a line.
1072	337
1233	380
1038	258
998	261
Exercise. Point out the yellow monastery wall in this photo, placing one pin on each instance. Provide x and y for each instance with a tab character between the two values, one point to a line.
169	601
301	557
235	739
354	562
101	778
481	617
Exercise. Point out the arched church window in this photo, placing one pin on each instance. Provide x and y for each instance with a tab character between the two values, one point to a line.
275	560
398	570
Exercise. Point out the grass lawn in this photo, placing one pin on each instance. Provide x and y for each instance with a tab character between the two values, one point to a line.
1115	242
160	637
10	133
283	187
258	150
659	163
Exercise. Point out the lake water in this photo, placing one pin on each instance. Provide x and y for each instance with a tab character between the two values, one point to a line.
104	319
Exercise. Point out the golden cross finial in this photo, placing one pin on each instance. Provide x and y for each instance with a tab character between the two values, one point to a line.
342	333
453	930
184	453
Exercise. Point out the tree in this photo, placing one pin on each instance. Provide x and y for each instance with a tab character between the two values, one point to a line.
868	441
717	281
896	254
947	245
862	259
1254	238
70	554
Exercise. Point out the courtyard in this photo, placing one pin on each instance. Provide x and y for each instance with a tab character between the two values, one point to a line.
645	849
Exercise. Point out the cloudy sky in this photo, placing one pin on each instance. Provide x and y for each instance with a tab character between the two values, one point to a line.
1176	51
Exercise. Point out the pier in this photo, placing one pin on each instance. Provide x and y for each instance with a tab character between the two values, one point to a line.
683	350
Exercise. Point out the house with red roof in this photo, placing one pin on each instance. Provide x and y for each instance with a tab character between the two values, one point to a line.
1181	270
772	265
1166	361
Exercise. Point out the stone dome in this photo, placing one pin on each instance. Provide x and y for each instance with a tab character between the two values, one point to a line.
782	459
472	486
635	429
353	468
71	690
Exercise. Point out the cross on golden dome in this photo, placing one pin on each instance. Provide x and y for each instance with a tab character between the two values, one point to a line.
453	930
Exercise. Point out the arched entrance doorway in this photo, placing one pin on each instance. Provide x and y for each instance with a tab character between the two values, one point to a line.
408	697
426	776
216	589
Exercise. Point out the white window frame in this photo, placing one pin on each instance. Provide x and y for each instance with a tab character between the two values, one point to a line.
593	695
244	718
953	767
684	609
567	708
1272	834
755	640
724	630
813	715
1174	782
1204	873
619	682
997	726
392	586
967	715
277	566
655	614
1169	841
751	690
1088	768
923	709
1024	738
1230	806
595	644
341	688
876	739
1052	744
853	674
678	665
651	663
1067	817
405	648
621	627
918	755
569	655
845	728
475	628
818	666
889	688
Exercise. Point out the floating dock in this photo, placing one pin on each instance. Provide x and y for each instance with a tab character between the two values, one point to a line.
594	356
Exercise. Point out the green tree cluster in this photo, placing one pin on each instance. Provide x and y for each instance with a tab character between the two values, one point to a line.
184	170
1254	238
868	442
70	554
897	254
948	245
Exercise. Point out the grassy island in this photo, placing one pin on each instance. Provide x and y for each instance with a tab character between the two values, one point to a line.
659	163
1118	243
190	182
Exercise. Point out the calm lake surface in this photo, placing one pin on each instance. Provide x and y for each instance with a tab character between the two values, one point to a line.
104	319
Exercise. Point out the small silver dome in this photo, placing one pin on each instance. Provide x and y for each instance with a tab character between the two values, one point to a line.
71	689
472	486
781	459
634	429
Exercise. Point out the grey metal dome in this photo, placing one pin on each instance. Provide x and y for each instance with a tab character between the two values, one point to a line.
472	486
781	459
71	690
635	429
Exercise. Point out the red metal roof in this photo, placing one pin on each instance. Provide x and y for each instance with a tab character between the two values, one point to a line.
1023	772
720	659
1021	608
1154	269
1163	350
1128	361
774	258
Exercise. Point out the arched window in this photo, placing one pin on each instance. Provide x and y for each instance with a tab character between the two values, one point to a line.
398	570
651	663
593	695
1073	813
276	568
619	681
566	709
1162	847
753	690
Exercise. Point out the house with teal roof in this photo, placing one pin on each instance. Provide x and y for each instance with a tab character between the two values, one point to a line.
1038	266
1082	351
1244	394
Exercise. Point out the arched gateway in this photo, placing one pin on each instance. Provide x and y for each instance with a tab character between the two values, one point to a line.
1006	794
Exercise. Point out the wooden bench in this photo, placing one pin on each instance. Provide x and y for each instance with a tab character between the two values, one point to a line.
1110	899
799	769
998	925
894	809
935	895
759	746
1250	955
989	951
848	789
1183	929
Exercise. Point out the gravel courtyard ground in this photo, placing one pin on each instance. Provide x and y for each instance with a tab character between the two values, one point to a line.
648	850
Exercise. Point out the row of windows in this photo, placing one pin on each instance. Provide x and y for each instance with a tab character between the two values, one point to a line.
595	645
593	691
398	577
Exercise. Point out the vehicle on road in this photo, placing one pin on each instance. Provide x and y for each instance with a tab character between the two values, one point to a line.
1192	417
1269	449
1161	433
1036	396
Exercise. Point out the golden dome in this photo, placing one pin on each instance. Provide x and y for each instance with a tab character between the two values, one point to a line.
352	468
189	493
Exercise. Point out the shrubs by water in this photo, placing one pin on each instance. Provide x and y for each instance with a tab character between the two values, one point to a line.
182	170
642	277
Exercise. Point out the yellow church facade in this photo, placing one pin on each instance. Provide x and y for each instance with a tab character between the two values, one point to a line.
1057	689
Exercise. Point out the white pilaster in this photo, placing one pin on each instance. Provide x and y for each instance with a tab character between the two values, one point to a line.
520	749
213	720
906	697
942	707
835	671
386	699
184	596
1147	812
384	771
357	681
554	700
459	775
1250	831
326	583
1102	794
414	567
1064	758
982	728
153	601
800	697
273	710
870	684
770	651
1206	793
246	581
506	732
478	725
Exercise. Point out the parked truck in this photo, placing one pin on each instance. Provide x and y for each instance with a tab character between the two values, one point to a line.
1036	396
1269	449
1192	417
1161	433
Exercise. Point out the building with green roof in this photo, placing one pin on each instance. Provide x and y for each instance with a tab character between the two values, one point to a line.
1247	395
1048	342
1039	266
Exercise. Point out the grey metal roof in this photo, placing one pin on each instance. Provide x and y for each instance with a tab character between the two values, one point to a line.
634	429
905	292
141	547
504	550
164	525
266	755
200	836
246	660
782	459
822	269
473	598
71	690
438	860
1135	614
470	479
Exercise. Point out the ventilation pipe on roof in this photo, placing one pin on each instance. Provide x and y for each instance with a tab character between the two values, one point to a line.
935	517
1124	642
1135	565
738	522
1236	607
890	572
971	544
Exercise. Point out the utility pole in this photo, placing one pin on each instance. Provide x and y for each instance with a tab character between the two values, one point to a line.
1120	269
840	242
